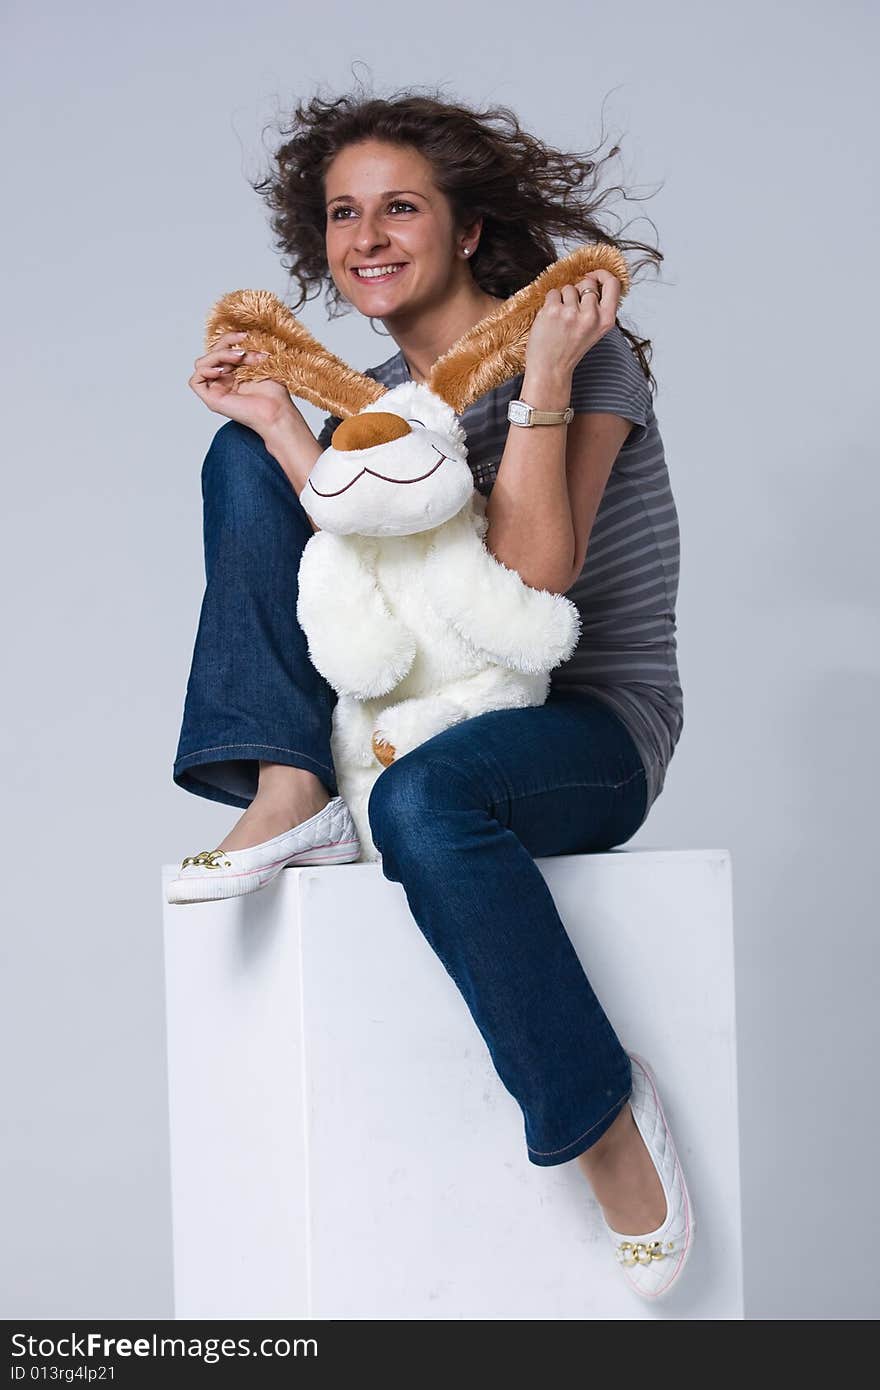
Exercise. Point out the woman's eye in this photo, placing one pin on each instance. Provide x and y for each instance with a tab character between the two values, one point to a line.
398	203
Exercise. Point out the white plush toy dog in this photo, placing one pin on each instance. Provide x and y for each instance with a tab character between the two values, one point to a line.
408	615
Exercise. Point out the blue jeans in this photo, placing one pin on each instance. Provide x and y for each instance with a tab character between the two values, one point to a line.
458	821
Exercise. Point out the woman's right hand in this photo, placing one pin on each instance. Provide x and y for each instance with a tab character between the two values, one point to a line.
262	405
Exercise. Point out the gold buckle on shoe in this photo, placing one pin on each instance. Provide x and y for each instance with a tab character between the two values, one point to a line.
635	1253
205	858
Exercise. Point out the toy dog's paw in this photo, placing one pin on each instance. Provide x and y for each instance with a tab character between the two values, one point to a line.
402	727
383	750
398	729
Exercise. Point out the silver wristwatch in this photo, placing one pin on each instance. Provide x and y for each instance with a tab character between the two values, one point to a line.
520	413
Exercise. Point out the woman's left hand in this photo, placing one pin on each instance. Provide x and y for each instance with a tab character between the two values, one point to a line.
571	320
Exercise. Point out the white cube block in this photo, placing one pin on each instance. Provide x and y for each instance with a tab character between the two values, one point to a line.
341	1146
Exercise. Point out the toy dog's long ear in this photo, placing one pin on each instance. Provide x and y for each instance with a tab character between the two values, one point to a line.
296	358
494	350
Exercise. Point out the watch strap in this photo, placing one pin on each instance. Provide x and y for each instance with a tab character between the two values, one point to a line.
521	413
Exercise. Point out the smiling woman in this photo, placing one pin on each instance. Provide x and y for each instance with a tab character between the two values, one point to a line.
427	215
389	255
480	165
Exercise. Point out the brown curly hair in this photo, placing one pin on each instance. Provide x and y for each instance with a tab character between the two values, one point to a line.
483	161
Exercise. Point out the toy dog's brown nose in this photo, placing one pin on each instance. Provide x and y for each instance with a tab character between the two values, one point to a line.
372	427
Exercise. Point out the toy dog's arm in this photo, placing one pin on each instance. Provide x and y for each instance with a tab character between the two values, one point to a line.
353	639
491	607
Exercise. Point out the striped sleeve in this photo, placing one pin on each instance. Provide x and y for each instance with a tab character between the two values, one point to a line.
608	379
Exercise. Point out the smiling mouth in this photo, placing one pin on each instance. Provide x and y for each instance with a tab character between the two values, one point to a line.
373	474
390	273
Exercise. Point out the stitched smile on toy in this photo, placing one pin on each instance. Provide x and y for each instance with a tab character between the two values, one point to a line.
373	474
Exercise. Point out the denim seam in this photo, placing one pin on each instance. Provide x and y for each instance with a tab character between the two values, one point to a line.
270	747
557	786
569	786
546	1153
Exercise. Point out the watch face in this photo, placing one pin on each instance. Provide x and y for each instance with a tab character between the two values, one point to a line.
518	412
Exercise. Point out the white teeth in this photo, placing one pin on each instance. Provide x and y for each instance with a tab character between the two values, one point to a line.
371	272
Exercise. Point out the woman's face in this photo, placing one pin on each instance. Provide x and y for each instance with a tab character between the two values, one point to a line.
384	209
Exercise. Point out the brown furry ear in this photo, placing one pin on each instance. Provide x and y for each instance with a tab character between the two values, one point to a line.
494	350
296	358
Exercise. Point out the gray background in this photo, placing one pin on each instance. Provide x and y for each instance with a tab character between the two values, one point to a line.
128	212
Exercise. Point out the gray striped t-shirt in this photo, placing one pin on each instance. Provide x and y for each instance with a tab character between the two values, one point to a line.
626	592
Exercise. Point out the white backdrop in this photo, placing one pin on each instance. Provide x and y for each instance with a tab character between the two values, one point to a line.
130	138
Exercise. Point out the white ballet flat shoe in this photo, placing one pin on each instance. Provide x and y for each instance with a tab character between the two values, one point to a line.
652	1263
329	837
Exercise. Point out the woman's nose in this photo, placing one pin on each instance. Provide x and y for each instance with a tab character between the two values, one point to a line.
369	428
368	234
